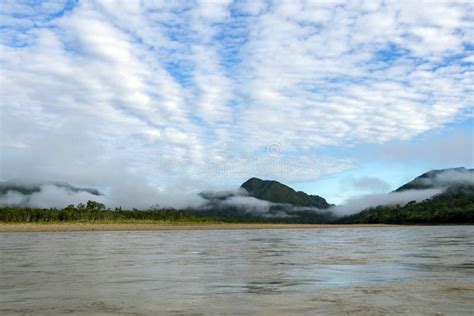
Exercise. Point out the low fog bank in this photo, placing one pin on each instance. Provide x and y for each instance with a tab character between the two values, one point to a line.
450	177
357	204
248	203
130	195
223	194
127	195
135	193
48	196
130	190
238	200
257	208
75	151
419	189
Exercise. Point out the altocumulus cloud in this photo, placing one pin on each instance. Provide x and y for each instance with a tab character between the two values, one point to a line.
92	91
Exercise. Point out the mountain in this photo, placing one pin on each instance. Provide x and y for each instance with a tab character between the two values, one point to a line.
28	188
259	200
442	178
454	205
446	208
276	192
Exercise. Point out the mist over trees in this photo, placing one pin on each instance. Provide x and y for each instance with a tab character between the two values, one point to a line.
457	208
438	196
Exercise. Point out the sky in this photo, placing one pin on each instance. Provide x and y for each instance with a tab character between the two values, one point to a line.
160	100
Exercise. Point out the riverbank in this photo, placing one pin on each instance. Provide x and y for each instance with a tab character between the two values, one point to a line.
59	227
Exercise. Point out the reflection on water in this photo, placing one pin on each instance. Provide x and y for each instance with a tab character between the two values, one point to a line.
343	270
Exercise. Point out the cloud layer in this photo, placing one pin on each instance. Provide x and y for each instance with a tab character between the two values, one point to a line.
95	92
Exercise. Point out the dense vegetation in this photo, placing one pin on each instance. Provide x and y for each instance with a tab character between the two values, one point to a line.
457	209
453	208
96	212
277	192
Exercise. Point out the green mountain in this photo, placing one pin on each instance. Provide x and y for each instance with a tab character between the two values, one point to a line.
442	178
265	201
276	192
454	205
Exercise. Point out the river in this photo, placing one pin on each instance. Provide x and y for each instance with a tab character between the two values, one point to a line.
410	270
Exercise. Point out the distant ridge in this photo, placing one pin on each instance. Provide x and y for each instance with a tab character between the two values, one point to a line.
276	192
453	205
28	188
440	178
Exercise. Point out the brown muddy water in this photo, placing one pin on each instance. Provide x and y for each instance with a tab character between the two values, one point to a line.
409	270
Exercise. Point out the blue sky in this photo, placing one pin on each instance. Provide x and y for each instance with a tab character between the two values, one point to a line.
335	98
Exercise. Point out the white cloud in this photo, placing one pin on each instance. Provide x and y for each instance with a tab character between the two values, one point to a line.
358	204
217	82
342	100
248	203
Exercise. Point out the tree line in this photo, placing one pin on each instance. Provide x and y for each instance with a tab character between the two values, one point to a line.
456	208
95	212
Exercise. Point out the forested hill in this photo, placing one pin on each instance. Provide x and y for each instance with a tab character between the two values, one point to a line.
455	205
276	192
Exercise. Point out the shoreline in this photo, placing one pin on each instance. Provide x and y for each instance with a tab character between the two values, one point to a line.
87	227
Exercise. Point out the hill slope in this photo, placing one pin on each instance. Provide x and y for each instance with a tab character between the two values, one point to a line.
276	192
265	201
441	178
455	208
455	205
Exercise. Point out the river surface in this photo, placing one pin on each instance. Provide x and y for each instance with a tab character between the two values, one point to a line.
410	270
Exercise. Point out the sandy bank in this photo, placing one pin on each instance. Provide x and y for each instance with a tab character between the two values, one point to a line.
58	227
